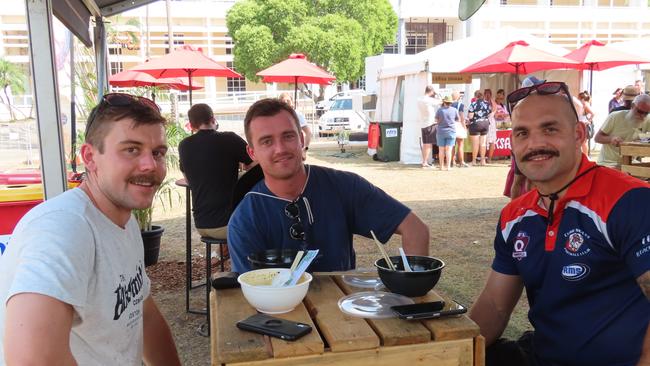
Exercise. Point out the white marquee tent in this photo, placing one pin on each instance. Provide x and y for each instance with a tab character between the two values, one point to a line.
400	86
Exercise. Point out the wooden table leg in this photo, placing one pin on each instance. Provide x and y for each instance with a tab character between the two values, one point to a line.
479	351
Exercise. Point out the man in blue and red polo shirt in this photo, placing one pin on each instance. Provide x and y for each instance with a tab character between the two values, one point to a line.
579	243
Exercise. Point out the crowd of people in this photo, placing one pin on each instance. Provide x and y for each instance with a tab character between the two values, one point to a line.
446	122
75	290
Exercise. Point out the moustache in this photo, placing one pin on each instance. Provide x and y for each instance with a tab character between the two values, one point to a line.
529	156
145	179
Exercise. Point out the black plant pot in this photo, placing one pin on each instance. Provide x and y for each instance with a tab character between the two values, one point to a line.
151	241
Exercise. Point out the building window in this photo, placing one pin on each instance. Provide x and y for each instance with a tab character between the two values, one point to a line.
361	83
114	50
391	48
235	85
178	38
229	45
116	67
450	33
421	36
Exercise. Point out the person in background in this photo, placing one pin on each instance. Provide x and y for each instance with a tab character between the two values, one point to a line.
461	130
577	242
300	206
285	97
74	288
478	113
621	126
210	161
501	118
640	86
427	106
615	102
629	93
586	116
447	116
492	128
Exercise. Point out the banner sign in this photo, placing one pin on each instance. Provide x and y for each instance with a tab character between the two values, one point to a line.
451	78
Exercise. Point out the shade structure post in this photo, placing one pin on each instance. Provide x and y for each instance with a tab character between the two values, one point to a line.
591	78
189	77
295	92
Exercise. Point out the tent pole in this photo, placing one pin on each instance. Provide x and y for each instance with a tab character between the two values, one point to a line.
591	78
295	92
189	77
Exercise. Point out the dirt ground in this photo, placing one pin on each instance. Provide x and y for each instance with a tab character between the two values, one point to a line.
461	208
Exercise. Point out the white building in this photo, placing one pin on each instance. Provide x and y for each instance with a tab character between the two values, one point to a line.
567	23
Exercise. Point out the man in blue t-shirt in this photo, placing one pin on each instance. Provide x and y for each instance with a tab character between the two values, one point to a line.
301	206
579	243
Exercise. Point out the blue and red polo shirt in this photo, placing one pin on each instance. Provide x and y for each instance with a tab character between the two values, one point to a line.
580	271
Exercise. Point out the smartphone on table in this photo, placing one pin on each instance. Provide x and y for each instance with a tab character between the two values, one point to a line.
429	310
287	330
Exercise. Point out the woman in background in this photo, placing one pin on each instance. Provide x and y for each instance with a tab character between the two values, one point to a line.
586	117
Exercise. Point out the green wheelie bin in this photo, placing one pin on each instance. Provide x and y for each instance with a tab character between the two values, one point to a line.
390	138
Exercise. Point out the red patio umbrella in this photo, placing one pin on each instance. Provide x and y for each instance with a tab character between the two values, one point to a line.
186	61
519	58
595	55
130	78
296	69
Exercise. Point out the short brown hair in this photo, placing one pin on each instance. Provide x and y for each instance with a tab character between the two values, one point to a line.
266	108
103	114
199	115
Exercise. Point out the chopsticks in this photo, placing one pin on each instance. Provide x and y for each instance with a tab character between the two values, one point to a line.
383	252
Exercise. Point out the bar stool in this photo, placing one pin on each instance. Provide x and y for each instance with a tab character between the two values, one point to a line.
209	242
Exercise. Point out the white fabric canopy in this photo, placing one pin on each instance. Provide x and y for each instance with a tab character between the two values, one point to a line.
454	56
640	46
410	151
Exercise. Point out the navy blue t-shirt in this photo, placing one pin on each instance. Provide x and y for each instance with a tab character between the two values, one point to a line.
333	206
580	272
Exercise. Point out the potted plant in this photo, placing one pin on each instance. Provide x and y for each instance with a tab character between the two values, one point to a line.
166	195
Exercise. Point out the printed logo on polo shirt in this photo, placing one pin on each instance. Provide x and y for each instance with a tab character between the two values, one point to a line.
521	243
575	245
575	271
645	247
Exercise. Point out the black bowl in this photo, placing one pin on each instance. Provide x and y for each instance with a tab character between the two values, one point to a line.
425	275
272	258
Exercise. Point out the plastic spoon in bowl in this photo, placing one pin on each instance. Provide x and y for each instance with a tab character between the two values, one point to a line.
407	267
383	252
281	278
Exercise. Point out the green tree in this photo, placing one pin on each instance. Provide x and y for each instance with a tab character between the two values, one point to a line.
335	34
11	77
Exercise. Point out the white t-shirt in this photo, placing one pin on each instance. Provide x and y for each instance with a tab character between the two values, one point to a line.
67	249
427	107
301	119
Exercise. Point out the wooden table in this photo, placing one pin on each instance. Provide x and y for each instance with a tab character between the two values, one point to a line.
629	150
337	338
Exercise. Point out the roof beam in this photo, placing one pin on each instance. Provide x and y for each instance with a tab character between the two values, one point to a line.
122	6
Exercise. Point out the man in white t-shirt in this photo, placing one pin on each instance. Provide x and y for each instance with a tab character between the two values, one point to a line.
427	107
73	285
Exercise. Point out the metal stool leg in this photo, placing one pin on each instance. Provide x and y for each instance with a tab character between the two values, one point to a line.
208	286
221	258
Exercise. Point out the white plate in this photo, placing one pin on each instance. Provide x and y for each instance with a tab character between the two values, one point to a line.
372	304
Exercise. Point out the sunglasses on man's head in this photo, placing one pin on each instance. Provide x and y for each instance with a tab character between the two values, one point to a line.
549	88
296	230
120	100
